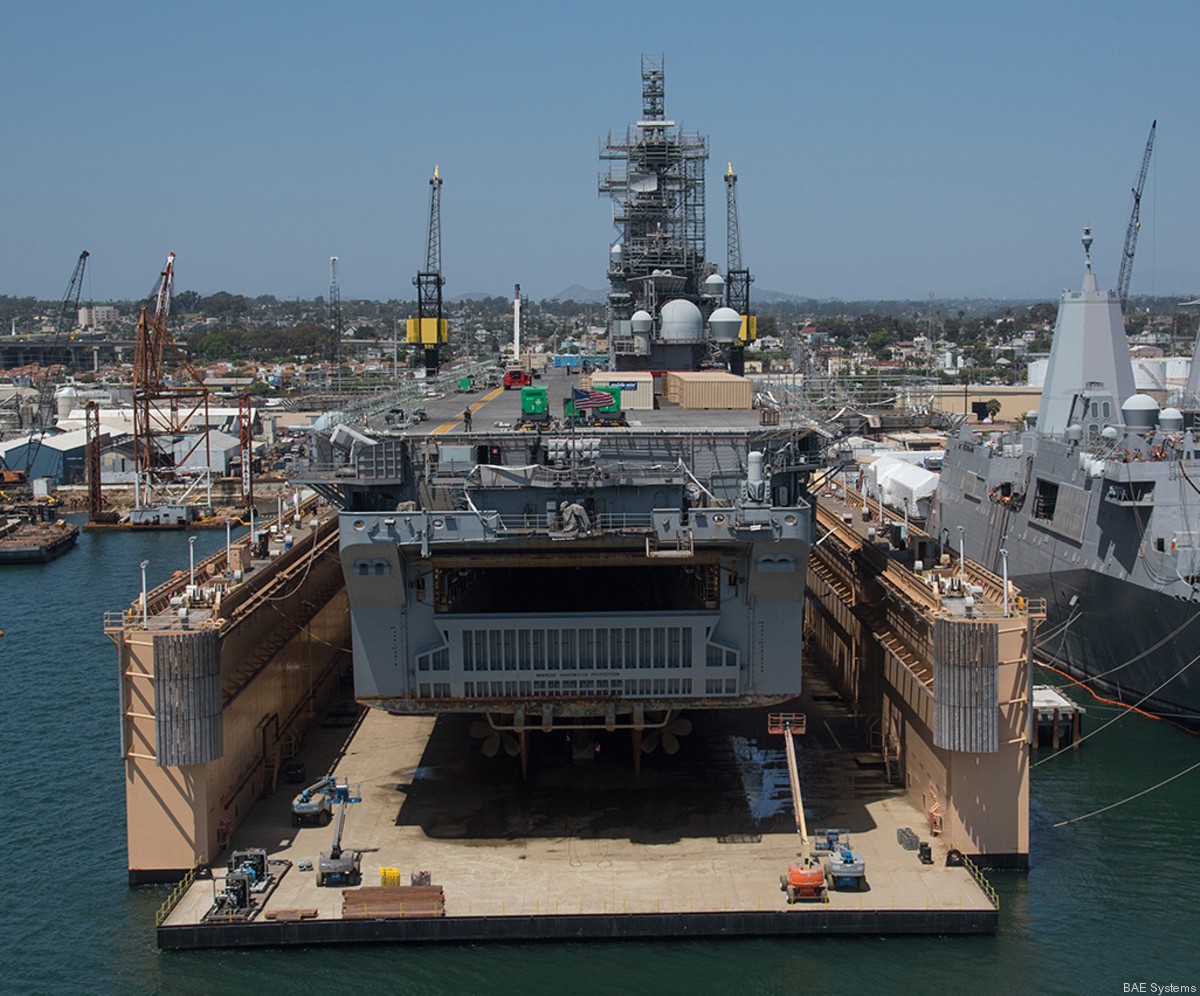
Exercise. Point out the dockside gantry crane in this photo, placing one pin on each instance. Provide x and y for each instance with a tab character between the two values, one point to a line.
430	329
1135	223
737	278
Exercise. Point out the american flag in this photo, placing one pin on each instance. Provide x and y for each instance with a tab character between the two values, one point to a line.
587	400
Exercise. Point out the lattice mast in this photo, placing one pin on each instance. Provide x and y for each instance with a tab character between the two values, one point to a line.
335	320
1135	223
429	329
737	277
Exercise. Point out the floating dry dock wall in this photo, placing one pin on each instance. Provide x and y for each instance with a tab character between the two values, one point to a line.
218	682
938	663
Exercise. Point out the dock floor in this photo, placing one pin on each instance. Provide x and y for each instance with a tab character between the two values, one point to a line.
696	844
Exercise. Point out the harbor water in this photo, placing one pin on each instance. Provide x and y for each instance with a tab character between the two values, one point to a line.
1108	900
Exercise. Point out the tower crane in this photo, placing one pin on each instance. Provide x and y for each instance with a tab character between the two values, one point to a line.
67	312
1131	233
430	328
737	277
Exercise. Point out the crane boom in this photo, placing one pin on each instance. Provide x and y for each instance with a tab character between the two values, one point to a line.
1131	233
789	723
68	309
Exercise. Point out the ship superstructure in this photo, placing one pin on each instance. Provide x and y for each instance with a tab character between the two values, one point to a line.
662	291
593	579
1097	510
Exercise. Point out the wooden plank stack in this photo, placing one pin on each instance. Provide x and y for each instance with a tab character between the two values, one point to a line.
393	902
291	916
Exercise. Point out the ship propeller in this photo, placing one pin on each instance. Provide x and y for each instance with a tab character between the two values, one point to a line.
493	740
667	735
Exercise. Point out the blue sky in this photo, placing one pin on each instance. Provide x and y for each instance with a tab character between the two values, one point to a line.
883	150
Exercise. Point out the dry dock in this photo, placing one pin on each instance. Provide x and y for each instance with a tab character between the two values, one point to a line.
694	846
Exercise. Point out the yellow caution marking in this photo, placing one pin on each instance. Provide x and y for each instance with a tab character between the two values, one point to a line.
454	422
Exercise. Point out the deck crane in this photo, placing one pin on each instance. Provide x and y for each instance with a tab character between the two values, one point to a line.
429	329
737	277
804	879
68	309
1131	233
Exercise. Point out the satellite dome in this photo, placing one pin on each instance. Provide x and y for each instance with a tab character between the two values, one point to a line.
1140	412
1074	433
681	321
1170	420
1110	434
641	322
725	324
714	285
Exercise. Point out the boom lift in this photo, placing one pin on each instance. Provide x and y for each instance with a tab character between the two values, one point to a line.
805	879
339	866
313	806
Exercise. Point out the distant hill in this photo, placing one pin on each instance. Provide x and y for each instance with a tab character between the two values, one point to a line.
577	292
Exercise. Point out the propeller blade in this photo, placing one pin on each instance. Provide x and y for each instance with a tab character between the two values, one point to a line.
491	745
670	742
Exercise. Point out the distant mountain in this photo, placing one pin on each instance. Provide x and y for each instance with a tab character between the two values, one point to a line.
579	293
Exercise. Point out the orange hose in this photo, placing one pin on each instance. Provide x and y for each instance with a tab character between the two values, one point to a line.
1114	702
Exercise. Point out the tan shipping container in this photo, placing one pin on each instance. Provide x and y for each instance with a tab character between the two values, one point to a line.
713	389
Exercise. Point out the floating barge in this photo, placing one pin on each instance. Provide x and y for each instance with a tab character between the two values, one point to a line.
26	542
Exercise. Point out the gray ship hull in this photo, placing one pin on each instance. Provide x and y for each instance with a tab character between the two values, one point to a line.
1110	555
1109	648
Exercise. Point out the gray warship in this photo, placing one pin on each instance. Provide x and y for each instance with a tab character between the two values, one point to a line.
1096	509
602	571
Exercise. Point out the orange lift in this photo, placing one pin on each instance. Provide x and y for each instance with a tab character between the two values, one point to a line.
805	879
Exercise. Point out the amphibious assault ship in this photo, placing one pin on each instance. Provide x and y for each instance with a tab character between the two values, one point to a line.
592	573
1096	510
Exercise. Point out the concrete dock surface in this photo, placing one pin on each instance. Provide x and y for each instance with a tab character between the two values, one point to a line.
708	830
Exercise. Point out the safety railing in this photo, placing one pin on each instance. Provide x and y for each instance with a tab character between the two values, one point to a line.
176	895
984	884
